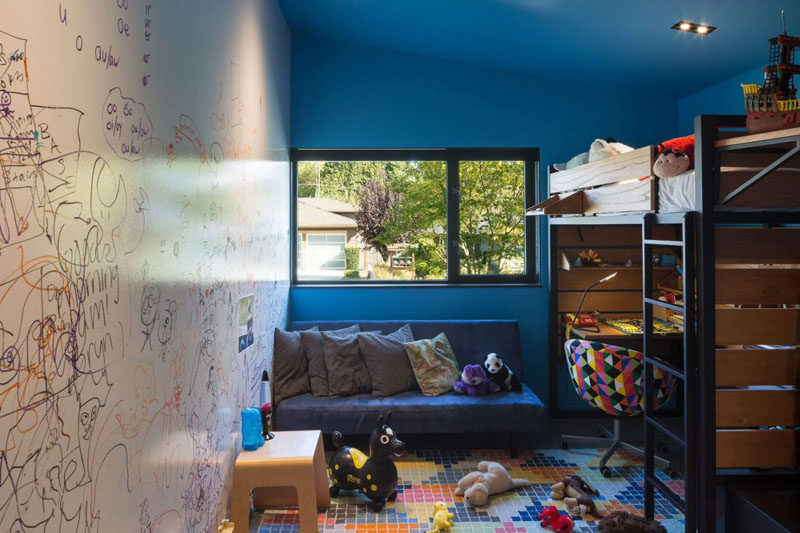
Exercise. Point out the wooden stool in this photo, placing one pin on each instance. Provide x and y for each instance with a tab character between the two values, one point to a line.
292	459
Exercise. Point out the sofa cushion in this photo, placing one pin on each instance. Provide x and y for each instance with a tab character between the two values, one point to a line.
347	372
413	412
471	340
312	344
387	362
434	363
290	367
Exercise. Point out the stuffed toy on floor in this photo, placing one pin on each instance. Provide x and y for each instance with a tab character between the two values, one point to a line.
442	518
491	478
500	374
623	522
576	493
474	382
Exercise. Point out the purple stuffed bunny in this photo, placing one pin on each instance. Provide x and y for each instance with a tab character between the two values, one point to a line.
474	382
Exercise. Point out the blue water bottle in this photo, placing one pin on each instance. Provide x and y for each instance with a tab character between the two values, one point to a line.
252	437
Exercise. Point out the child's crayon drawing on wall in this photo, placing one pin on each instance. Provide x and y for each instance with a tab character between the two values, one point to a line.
246	310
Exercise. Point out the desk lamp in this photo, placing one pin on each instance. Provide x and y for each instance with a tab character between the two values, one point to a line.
570	327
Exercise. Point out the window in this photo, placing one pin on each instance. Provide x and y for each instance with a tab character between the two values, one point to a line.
414	216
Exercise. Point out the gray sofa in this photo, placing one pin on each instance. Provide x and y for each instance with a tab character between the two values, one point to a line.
413	412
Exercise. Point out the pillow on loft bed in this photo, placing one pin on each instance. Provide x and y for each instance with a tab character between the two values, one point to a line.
599	149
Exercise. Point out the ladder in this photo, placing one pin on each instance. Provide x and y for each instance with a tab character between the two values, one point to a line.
685	373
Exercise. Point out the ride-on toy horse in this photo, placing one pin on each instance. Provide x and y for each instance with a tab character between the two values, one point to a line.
374	475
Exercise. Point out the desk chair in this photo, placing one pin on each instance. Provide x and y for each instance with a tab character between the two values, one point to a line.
609	378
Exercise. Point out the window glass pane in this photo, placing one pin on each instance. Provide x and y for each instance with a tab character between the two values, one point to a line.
492	217
372	220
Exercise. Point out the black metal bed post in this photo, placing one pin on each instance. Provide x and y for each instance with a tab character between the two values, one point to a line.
647	329
705	193
690	370
553	322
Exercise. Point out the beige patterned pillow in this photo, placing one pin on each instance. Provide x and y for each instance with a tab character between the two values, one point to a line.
434	363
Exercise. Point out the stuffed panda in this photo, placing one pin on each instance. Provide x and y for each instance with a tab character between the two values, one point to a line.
500	374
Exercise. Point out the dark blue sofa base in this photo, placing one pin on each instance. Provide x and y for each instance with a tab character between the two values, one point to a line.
412	411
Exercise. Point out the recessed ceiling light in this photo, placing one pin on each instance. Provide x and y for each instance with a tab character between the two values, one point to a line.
693	27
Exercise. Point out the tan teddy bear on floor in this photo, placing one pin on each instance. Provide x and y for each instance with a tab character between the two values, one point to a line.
491	478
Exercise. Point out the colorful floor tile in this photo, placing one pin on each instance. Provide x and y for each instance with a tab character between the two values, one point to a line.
430	476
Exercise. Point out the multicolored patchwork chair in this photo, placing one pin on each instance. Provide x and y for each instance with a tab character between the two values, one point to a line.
610	378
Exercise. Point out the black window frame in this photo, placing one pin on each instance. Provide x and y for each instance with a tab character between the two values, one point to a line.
452	157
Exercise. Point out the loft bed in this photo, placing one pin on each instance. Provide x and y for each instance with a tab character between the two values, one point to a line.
735	228
625	183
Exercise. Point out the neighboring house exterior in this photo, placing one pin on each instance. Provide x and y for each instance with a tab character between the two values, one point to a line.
324	228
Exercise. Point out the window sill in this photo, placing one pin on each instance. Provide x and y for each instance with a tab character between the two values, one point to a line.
401	285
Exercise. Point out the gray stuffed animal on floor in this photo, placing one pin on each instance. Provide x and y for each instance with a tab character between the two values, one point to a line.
491	478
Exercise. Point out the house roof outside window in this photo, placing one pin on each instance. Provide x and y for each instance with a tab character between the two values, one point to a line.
324	213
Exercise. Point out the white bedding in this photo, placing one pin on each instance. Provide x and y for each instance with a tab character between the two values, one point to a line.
677	194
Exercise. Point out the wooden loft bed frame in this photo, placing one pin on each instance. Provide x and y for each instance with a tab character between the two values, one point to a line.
625	183
741	364
622	183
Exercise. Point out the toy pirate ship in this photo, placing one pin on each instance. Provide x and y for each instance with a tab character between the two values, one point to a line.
774	105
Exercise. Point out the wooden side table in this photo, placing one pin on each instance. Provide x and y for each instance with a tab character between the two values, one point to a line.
292	459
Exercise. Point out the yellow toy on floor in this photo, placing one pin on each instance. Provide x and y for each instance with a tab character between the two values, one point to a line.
442	518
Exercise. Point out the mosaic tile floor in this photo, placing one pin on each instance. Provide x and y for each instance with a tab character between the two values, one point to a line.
430	476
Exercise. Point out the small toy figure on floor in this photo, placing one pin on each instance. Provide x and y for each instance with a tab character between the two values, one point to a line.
576	494
442	518
374	475
474	382
551	518
491	478
500	374
621	521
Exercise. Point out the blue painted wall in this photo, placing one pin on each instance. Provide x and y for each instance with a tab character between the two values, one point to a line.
721	99
346	95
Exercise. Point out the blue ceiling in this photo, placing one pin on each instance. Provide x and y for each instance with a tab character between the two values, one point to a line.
619	42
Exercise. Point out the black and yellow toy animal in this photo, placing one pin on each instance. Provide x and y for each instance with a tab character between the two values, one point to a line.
374	475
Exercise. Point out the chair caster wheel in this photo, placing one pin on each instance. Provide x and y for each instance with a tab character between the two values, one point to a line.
606	471
564	445
672	473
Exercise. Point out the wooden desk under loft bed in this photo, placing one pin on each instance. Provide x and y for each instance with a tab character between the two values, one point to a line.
618	241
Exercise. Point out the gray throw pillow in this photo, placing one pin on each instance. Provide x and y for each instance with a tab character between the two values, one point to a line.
290	367
387	362
347	372
317	371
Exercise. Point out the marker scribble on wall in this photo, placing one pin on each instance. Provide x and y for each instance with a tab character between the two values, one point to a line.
126	242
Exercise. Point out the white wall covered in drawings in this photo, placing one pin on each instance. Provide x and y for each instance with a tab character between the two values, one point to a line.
144	188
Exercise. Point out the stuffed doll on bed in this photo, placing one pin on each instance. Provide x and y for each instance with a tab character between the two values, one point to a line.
676	156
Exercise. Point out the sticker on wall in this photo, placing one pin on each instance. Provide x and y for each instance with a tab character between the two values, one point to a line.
246	308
